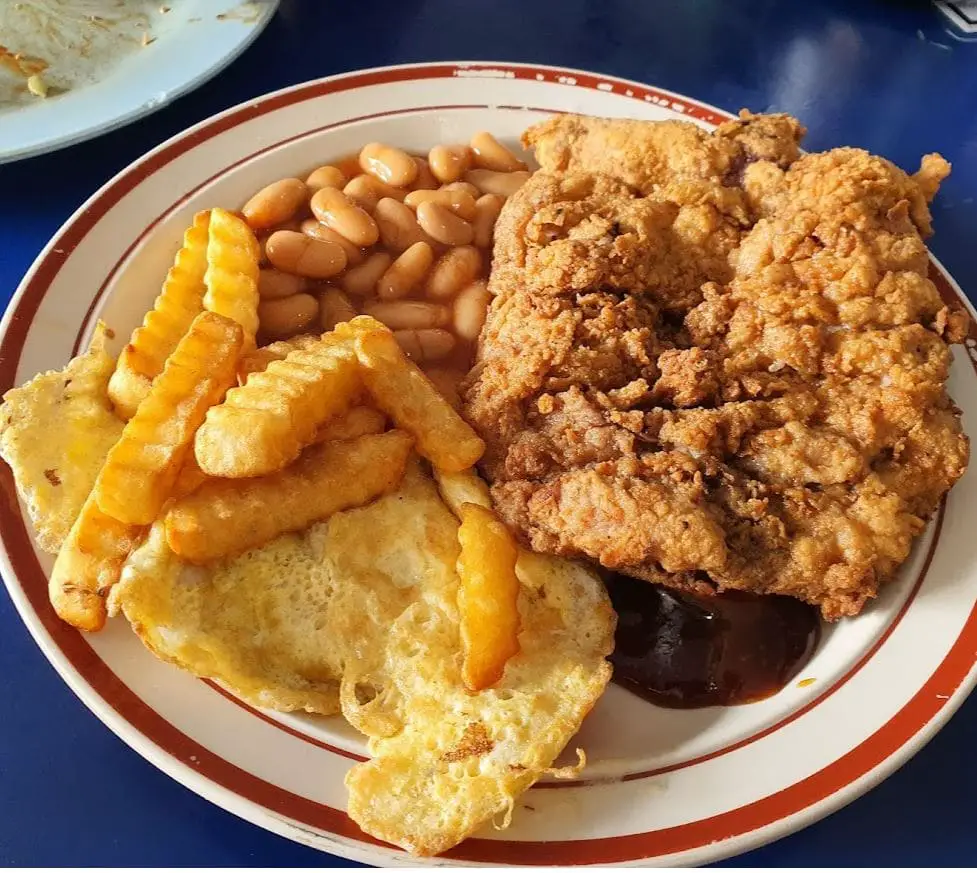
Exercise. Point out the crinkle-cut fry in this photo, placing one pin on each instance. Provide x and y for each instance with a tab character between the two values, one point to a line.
463	487
401	389
488	596
142	467
179	301
259	359
263	425
89	564
190	477
356	422
231	279
227	516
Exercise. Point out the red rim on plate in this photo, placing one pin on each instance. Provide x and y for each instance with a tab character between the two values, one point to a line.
756	822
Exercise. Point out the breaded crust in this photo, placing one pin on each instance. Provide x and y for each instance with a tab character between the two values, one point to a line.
736	381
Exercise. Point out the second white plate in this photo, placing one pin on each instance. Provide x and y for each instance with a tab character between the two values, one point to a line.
185	47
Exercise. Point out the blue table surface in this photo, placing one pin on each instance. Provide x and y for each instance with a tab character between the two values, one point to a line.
887	76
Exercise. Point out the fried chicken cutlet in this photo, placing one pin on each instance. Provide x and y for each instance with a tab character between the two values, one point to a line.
715	364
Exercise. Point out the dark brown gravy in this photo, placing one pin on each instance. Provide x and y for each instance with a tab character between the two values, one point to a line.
683	651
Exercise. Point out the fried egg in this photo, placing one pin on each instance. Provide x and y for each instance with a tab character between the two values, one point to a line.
55	432
360	613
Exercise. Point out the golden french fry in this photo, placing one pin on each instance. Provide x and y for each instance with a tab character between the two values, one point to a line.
142	467
224	517
259	359
89	564
402	390
190	477
264	424
163	326
231	279
358	421
488	599
460	488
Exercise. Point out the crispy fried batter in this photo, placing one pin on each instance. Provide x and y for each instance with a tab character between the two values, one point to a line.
647	156
714	364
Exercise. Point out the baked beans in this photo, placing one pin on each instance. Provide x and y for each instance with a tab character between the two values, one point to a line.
366	192
471	306
408	314
337	212
326	177
460	202
493	182
426	180
463	186
317	230
288	316
361	280
274	284
403	237
334	308
490	154
443	225
449	163
388	164
404	274
429	344
275	203
487	209
455	269
399	227
302	255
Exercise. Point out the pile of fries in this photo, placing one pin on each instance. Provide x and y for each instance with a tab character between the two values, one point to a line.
230	445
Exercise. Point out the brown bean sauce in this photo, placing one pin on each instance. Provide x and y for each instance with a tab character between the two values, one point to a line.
684	651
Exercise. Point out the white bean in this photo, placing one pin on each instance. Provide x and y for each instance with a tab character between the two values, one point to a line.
450	163
461	203
274	284
334	308
429	344
425	180
297	253
398	225
408	314
326	177
487	209
288	316
467	187
443	225
317	230
405	273
275	203
366	192
335	210
470	309
360	281
491	182
390	165
455	269
490	154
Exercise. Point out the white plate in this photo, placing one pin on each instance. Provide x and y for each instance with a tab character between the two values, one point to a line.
191	43
664	786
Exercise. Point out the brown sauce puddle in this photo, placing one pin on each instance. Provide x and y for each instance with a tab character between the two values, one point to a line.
683	651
